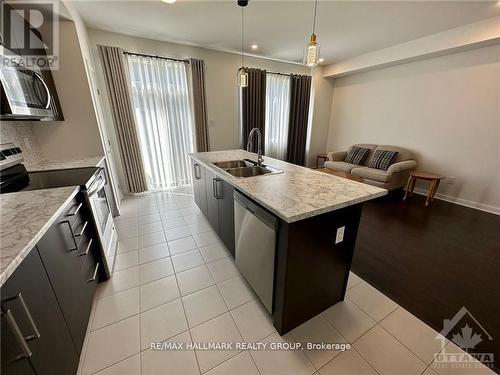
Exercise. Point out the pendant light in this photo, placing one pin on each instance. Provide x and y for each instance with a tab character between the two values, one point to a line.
311	50
242	75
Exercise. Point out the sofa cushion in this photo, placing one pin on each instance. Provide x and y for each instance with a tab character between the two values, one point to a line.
402	155
370	146
372	174
356	155
382	159
340	166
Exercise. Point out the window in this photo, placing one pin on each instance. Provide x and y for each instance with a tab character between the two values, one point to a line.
164	119
277	115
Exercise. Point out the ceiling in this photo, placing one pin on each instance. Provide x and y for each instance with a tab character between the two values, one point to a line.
281	28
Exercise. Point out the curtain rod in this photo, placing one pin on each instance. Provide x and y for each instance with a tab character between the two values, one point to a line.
155	57
279	74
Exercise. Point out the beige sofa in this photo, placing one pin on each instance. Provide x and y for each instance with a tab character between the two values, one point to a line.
393	178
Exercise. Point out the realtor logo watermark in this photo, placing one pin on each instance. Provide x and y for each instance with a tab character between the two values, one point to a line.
467	333
30	33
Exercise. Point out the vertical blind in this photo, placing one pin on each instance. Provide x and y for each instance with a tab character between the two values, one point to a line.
277	115
164	119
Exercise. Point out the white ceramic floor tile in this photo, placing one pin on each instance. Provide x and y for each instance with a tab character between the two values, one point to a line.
318	330
181	245
116	307
203	305
413	333
112	344
167	207
127	245
165	362
387	355
155	270
348	363
126	260
220	329
176	233
349	319
173	223
149	218
195	218
150	228
119	281
125	222
281	362
129	366
353	280
158	292
124	233
199	227
206	238
223	269
162	323
371	301
253	321
170	215
194	279
235	291
187	260
189	211
240	364
151	239
150	253
214	252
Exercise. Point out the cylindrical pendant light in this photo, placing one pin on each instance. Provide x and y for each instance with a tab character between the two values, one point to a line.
311	50
242	74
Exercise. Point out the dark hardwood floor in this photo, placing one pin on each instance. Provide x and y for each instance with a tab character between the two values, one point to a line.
433	261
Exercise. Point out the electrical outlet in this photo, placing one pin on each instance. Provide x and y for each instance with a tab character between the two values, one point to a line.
450	180
339	237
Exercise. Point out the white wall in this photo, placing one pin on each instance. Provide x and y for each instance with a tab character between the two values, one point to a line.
221	84
445	109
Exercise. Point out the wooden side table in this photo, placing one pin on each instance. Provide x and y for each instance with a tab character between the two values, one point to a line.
320	156
433	178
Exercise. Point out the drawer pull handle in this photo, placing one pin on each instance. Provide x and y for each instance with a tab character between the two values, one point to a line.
94	276
36	332
83	229
76	210
72	235
87	249
19	336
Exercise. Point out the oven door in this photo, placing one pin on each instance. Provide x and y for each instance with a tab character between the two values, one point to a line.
98	202
24	92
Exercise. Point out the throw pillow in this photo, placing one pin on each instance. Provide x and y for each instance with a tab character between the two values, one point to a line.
356	155
382	159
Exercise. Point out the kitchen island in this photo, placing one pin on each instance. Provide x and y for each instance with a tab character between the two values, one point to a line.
315	216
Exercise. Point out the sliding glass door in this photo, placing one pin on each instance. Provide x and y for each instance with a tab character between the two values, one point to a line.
163	114
277	115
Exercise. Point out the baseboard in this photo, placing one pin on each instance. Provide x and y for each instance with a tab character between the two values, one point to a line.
462	202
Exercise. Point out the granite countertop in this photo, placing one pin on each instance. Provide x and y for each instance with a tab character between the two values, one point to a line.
64	163
26	216
295	194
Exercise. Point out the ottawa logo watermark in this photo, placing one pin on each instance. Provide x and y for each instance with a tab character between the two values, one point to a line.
467	333
30	34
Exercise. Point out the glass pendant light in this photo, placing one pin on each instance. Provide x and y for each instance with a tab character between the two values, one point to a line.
242	75
311	50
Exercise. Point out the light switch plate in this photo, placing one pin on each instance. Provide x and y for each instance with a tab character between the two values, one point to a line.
340	235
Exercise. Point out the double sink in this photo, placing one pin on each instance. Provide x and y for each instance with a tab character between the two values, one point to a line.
245	168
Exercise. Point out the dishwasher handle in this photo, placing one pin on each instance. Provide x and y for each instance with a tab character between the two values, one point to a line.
260	212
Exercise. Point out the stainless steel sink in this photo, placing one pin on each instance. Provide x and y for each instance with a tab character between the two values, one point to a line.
245	168
234	164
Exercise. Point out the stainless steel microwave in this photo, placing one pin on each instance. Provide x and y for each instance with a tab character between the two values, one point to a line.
25	95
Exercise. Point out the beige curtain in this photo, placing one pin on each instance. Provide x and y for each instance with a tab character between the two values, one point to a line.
116	78
200	105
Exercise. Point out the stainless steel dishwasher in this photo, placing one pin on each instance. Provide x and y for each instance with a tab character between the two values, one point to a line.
255	240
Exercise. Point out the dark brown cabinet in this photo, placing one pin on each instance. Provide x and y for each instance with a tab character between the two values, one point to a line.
67	252
46	302
220	207
35	338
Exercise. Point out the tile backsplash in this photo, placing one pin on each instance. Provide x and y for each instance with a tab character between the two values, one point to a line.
21	134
